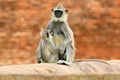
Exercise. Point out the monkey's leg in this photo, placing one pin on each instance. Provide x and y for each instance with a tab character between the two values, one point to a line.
69	56
38	54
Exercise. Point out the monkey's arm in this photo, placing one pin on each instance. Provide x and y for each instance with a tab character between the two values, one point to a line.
68	34
52	47
38	53
68	37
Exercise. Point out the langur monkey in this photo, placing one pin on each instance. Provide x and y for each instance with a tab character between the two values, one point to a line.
62	39
59	46
63	35
46	51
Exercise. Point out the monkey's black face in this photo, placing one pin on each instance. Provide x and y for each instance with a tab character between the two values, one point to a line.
58	13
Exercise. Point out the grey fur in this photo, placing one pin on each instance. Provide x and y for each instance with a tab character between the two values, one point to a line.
63	41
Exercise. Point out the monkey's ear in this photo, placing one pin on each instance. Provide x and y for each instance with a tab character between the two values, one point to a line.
52	10
66	10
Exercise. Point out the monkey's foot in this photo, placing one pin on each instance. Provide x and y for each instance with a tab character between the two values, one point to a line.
39	60
64	62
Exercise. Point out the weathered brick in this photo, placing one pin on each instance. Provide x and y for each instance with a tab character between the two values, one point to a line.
95	23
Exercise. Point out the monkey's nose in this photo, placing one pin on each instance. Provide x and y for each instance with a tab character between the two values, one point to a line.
58	13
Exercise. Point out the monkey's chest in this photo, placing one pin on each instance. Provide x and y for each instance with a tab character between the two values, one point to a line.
58	38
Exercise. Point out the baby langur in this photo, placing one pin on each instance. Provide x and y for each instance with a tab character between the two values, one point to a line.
46	51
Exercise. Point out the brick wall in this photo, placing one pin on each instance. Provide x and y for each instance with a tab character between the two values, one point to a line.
95	23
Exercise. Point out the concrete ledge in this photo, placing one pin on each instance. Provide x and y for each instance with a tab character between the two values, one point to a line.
77	71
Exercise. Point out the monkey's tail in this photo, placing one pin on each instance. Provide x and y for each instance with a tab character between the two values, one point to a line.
87	60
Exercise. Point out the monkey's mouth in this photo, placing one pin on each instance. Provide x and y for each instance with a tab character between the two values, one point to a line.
58	13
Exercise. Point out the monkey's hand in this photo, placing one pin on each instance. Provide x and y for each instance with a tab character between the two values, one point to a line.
54	50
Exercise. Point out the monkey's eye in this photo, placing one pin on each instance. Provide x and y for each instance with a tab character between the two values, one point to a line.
66	10
52	33
52	9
